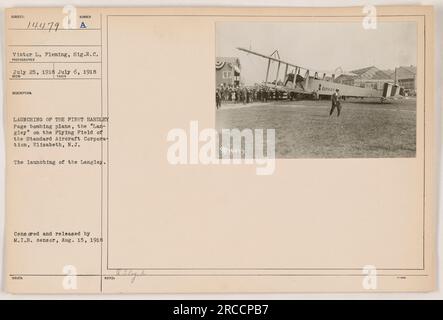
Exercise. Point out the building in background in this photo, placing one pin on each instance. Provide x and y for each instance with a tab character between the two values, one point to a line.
406	77
372	77
369	77
227	71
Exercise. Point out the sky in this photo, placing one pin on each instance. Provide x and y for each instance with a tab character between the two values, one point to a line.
317	45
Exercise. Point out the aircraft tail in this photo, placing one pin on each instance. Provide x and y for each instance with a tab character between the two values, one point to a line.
390	90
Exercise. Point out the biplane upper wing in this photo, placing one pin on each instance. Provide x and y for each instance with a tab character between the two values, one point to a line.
271	58
268	57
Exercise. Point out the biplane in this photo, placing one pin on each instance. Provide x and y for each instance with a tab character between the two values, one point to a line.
301	82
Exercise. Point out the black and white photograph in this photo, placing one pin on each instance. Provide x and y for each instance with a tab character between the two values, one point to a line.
234	152
329	90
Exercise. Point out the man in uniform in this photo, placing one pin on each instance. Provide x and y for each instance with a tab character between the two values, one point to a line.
218	98
335	103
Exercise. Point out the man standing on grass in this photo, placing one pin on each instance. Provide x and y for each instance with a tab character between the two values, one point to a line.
218	98
335	103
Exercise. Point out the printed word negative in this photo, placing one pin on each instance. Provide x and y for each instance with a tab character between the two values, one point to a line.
230	146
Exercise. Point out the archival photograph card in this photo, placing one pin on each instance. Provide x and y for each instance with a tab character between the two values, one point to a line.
220	150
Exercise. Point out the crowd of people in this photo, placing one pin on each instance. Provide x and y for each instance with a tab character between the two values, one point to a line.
242	94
